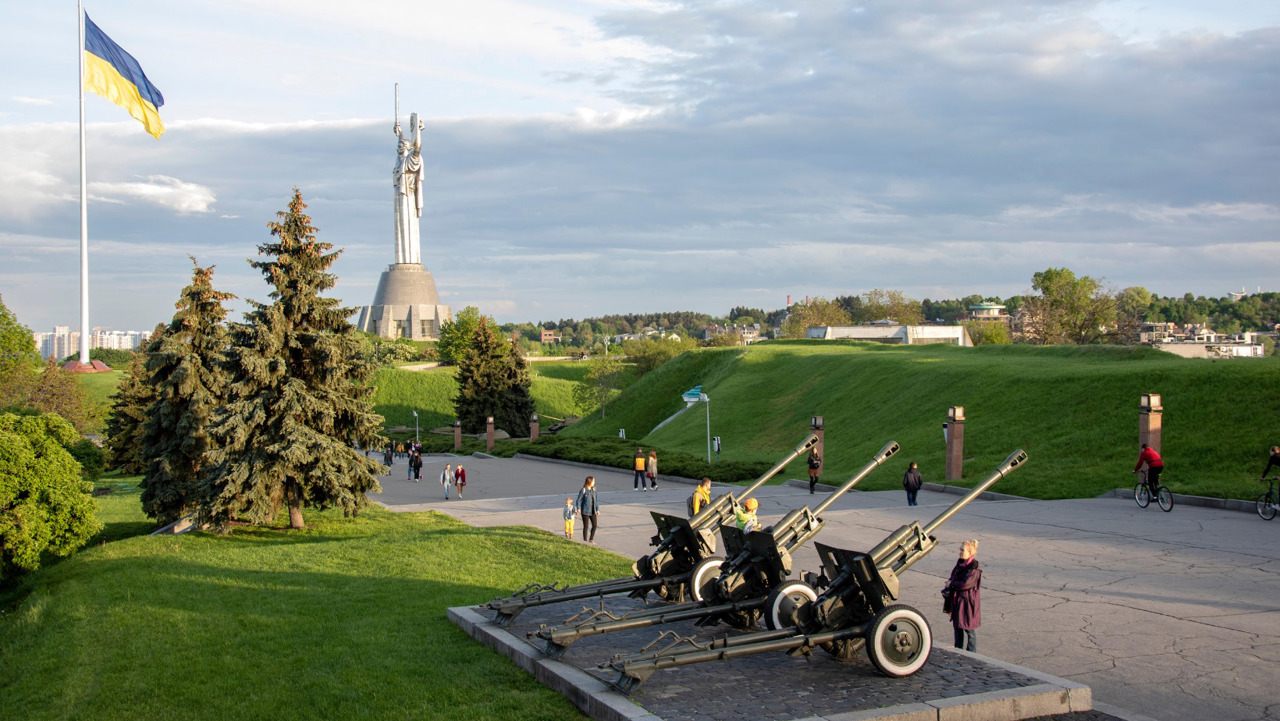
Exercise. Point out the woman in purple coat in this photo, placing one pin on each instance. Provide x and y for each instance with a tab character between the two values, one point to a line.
965	588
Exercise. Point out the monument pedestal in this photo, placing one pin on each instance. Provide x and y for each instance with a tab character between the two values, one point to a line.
406	305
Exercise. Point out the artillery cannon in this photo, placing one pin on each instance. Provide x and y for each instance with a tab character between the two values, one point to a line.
856	608
733	590
681	544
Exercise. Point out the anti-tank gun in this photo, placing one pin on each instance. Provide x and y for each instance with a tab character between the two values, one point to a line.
734	591
681	544
851	605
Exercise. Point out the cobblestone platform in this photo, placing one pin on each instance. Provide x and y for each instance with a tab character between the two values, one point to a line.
773	686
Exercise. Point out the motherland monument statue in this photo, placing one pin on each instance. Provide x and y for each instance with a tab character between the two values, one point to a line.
406	304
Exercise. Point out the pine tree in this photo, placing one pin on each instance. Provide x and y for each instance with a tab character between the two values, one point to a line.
493	380
299	402
130	403
185	368
518	406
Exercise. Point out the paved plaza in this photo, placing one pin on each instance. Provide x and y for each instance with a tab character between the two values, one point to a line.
1175	616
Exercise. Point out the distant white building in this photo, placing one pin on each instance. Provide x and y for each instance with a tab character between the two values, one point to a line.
63	341
894	334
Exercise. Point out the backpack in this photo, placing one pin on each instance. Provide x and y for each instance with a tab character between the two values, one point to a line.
689	504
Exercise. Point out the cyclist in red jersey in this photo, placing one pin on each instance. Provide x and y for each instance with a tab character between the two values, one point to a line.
1155	466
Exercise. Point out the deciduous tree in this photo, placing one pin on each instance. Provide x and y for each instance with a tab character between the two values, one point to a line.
18	359
457	335
299	403
45	507
1068	310
602	381
59	391
816	313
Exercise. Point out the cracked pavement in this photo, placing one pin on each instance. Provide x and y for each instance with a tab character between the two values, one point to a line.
1172	615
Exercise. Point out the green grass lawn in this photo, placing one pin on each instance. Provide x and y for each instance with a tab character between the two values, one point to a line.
101	385
343	620
431	393
1073	409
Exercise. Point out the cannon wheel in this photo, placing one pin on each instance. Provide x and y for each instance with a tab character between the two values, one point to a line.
785	601
703	576
899	640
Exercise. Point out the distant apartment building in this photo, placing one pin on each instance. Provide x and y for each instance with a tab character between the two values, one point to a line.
749	333
1199	341
550	336
63	341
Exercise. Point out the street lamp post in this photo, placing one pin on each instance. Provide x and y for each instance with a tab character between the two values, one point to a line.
707	399
415	426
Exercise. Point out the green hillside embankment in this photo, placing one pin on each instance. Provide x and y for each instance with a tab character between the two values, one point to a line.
1073	409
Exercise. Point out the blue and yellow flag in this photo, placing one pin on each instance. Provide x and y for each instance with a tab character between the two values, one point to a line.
112	73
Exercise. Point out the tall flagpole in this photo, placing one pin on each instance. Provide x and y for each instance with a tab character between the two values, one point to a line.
84	204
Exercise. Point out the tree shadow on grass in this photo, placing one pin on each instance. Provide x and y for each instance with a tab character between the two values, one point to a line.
224	642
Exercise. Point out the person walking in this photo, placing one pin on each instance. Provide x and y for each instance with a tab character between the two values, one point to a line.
446	479
815	468
638	464
569	512
589	509
1155	466
963	597
408	468
912	481
651	470
460	479
415	465
700	498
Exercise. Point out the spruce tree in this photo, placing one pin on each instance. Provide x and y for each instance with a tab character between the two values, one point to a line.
130	404
517	411
493	380
185	368
299	402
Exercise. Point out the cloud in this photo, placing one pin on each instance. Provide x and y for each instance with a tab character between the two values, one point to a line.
158	190
32	101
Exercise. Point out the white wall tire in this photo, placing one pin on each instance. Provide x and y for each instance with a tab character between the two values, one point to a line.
899	641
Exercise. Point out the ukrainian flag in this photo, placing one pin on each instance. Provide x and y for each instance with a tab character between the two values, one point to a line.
112	73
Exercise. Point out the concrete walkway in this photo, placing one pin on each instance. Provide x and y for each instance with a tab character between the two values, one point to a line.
1172	615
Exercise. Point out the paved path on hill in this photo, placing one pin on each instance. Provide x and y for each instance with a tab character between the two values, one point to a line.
1173	615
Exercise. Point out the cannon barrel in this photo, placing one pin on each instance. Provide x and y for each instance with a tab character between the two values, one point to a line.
891	448
891	551
719	508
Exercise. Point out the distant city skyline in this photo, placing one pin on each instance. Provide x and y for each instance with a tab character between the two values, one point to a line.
590	157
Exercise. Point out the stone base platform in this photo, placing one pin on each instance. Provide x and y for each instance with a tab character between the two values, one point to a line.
953	685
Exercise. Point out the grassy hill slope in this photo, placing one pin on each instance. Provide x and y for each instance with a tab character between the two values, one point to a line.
1073	409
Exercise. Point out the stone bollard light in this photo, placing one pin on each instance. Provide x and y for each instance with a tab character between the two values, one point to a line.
1149	414
955	443
488	443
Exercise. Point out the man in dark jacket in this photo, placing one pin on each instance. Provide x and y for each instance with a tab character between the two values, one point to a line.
966	602
912	481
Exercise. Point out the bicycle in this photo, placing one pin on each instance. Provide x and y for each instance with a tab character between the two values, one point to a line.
1143	492
1269	501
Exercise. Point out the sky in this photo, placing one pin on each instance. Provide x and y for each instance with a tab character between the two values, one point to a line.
587	157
